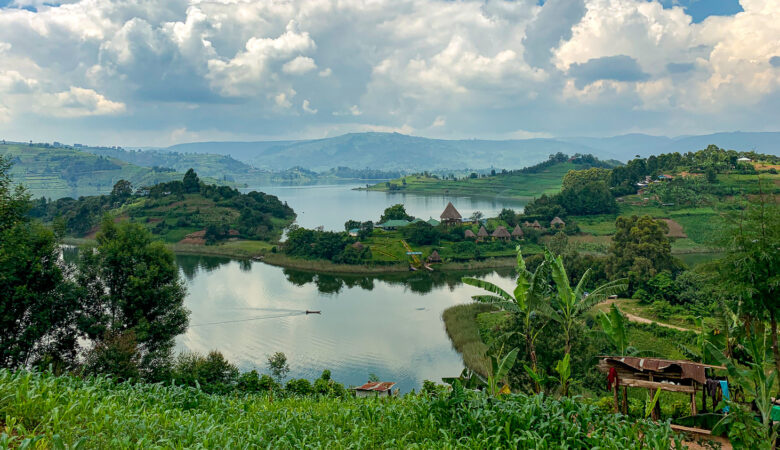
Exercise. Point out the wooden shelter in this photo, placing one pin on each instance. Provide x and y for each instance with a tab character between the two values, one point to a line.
376	389
517	233
358	246
557	223
450	216
501	233
536	225
434	257
482	233
468	234
652	373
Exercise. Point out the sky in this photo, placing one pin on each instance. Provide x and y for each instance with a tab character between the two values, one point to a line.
156	73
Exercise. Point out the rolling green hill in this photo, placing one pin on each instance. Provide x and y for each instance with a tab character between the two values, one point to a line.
543	178
57	172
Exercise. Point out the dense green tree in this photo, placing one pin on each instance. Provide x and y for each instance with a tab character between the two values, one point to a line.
278	365
191	182
422	233
509	216
37	302
750	270
640	249
122	190
587	198
131	282
574	178
395	212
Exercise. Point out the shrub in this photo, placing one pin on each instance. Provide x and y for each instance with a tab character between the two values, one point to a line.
212	373
300	386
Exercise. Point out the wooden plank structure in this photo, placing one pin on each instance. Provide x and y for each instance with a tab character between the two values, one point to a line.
652	373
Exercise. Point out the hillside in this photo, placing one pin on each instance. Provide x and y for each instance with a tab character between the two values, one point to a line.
68	412
188	212
57	172
543	178
393	151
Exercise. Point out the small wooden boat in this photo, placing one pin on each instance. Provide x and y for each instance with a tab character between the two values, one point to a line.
313	312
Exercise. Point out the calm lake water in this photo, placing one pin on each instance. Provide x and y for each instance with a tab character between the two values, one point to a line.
332	205
388	325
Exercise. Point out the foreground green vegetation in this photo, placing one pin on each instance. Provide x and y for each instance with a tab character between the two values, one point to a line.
48	411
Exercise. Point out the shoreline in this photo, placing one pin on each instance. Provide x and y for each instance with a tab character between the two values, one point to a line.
280	260
519	198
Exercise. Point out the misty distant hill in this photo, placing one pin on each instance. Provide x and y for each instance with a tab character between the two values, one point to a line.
394	151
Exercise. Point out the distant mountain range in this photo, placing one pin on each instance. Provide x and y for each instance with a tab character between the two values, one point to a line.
394	151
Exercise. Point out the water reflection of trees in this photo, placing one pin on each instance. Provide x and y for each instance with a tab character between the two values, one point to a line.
190	264
417	282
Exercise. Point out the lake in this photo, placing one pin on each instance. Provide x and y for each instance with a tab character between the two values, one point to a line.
332	205
388	325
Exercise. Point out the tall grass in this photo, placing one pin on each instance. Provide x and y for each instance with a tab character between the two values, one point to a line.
463	330
44	411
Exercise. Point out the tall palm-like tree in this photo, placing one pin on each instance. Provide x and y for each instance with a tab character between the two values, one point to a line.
530	292
569	305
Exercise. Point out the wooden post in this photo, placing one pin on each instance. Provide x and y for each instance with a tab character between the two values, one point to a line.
625	400
693	401
615	391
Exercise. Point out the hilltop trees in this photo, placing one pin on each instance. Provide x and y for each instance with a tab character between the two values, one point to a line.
395	212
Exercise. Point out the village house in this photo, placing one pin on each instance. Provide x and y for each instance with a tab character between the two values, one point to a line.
434	257
468	234
517	233
482	233
501	234
557	223
451	216
376	389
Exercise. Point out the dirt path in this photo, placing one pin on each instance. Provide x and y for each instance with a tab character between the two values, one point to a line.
638	319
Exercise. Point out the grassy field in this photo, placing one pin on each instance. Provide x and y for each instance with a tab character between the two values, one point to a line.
44	411
511	185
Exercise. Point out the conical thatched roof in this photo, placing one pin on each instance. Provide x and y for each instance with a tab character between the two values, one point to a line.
557	221
434	257
527	224
536	224
501	233
450	213
469	234
358	245
482	232
517	232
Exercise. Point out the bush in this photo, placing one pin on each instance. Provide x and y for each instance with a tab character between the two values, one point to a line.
116	355
212	373
300	386
253	382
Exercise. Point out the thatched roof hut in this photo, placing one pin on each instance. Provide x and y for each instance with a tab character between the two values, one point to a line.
557	222
517	232
434	258
358	246
501	233
450	214
482	233
527	224
469	234
536	225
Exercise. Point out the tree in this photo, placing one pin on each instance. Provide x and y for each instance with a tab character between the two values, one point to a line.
132	283
509	216
38	304
278	365
122	190
351	225
191	182
574	178
395	212
588	198
568	307
750	270
640	249
476	216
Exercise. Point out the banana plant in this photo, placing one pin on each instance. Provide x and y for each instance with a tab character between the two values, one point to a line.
563	368
530	292
757	379
705	336
614	326
500	367
570	305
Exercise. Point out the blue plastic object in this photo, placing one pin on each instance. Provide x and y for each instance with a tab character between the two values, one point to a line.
724	386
